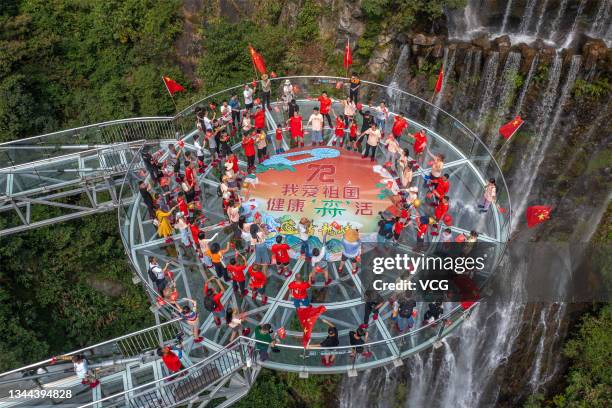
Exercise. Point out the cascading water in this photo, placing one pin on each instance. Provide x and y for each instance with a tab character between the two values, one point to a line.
400	67
601	20
545	128
464	80
486	101
554	28
448	65
521	99
572	34
506	15
526	20
541	18
505	95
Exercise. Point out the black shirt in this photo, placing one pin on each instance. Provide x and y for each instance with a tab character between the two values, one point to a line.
331	341
356	342
385	228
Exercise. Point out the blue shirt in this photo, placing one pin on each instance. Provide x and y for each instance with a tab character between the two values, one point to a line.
350	249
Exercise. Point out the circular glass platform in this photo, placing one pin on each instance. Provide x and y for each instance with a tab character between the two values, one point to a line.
337	190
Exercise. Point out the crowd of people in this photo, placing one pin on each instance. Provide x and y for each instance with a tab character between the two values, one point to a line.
175	201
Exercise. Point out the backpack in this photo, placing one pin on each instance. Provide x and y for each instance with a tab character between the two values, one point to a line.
151	274
405	308
209	303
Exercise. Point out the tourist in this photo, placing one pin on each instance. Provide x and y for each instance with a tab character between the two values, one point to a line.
441	189
258	241
147	198
234	104
224	145
398	226
405	319
183	227
263	337
420	143
157	274
215	253
339	132
382	114
304	234
354	87
433	312
489	196
278	137
234	320
190	315
296	129
226	114
399	124
319	263
262	146
212	299
357	338
299	291
280	250
171	360
351	250
82	370
352	136
373	135
199	152
204	249
385	229
287	95
437	166
293	107
330	341
439	213
246	123
236	272
164	228
257	283
316	120
266	91
406	175
248	97
259	119
372	304
422	223
325	104
392	151
349	110
248	144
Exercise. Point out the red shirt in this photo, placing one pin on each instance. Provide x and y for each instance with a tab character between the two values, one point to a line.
399	124
281	253
421	230
353	131
172	361
398	227
441	210
216	298
195	231
339	128
237	272
295	126
404	213
420	141
234	161
249	147
259	119
189	178
258	279
279	134
299	290
442	187
324	104
183	207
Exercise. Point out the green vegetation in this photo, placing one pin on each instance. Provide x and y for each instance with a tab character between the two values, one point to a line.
589	380
592	90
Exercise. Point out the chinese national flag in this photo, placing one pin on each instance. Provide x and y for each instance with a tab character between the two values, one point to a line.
308	317
172	86
438	87
258	60
348	56
509	129
537	214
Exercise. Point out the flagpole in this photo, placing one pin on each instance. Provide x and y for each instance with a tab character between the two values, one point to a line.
171	96
348	41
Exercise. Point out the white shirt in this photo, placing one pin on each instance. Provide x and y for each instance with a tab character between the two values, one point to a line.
198	147
81	369
248	96
159	273
373	136
207	123
316	119
226	112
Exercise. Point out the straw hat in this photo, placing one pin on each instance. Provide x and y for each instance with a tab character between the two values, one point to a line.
351	235
264	76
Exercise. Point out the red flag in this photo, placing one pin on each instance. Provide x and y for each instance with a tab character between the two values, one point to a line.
308	317
509	129
348	56
172	86
438	87
258	60
537	214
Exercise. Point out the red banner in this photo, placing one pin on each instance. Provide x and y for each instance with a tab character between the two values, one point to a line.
258	60
308	317
509	129
172	86
439	81
348	56
537	214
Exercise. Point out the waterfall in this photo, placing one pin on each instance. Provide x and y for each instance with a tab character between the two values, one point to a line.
506	15
447	65
541	18
463	25
505	95
486	101
601	19
526	20
400	67
532	69
464	79
545	129
572	33
557	21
